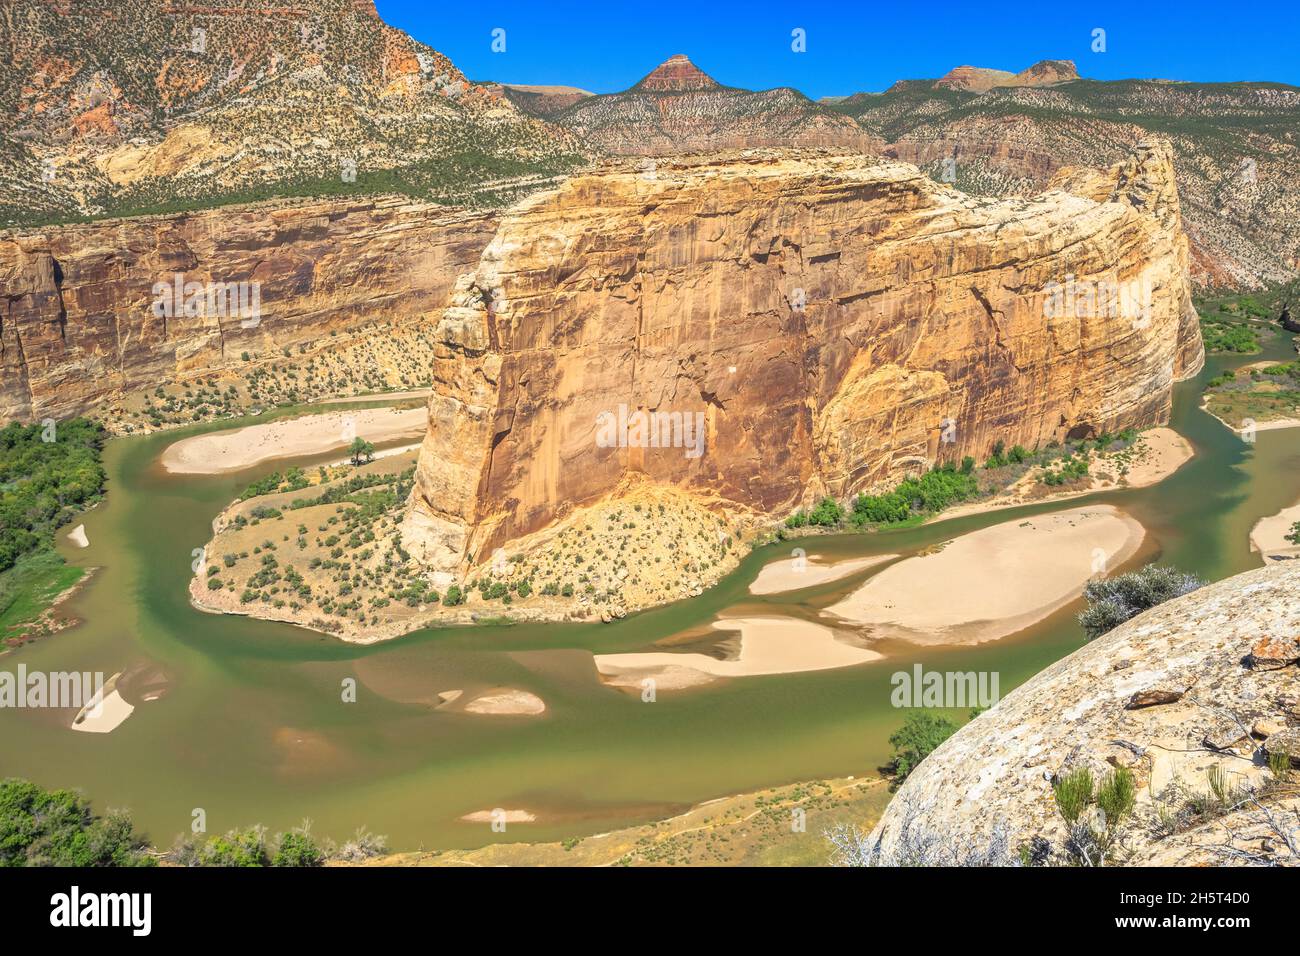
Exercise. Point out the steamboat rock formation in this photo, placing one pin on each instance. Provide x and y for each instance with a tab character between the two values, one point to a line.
677	108
821	315
1209	680
77	323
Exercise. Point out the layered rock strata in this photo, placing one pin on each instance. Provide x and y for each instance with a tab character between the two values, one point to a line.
799	323
89	312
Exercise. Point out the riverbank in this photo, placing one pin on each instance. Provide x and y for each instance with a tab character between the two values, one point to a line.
1155	455
778	826
1269	536
222	452
990	583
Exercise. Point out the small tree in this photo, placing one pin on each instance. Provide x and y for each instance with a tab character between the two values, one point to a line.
920	734
361	451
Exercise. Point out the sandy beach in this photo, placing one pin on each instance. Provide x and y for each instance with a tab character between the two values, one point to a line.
794	573
221	452
994	582
1268	537
768	645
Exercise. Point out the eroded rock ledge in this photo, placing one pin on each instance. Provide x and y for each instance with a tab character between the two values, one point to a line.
1204	686
822	314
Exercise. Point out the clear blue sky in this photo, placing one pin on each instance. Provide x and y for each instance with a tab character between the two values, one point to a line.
852	46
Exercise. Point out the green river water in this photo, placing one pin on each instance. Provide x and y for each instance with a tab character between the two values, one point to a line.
252	727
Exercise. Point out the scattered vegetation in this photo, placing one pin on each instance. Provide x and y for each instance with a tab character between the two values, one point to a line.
1112	601
48	473
41	827
1258	394
377	358
1093	838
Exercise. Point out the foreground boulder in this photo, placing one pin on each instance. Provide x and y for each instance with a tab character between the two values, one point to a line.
1206	792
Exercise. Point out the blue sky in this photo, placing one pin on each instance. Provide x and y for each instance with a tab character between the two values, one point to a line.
852	46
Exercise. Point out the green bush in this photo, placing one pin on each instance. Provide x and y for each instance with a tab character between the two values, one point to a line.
44	483
932	492
920	734
1116	796
57	828
1073	793
297	849
1112	601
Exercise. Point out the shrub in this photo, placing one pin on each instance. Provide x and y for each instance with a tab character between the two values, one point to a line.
57	828
920	734
1116	796
827	514
1073	793
297	849
1112	601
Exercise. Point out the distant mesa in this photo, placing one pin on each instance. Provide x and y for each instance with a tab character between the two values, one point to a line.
975	79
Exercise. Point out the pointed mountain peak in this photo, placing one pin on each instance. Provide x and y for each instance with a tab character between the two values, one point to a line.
676	74
1048	72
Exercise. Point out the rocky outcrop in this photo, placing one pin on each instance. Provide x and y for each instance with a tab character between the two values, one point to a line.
110	108
677	108
800	323
975	79
78	324
1236	160
1193	697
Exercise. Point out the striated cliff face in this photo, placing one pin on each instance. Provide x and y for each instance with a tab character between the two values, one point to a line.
677	108
818	318
77	320
1234	148
1203	688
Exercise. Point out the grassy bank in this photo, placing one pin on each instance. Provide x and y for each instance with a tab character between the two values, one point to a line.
48	473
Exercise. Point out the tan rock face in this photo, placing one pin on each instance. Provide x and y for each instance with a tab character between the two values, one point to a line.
830	323
77	323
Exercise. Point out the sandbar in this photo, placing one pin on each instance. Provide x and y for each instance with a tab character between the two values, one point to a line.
768	645
993	582
220	452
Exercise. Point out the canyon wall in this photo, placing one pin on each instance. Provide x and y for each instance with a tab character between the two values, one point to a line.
834	322
77	319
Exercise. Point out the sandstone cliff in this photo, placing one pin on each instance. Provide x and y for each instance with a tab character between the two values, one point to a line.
820	316
1193	696
77	323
